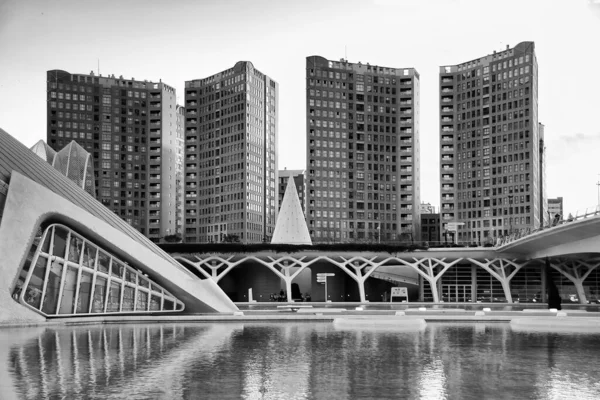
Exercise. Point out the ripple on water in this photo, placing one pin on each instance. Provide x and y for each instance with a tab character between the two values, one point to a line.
297	361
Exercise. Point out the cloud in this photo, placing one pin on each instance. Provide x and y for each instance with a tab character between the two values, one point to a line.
579	138
594	6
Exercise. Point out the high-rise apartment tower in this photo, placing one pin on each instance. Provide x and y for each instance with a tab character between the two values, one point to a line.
230	156
362	151
180	168
129	127
490	155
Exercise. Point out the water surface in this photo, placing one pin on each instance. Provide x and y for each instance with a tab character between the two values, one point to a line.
296	361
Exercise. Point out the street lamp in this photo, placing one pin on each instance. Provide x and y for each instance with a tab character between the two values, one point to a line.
510	202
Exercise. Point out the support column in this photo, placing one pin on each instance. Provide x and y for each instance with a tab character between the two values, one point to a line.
580	292
362	278
544	298
500	269
284	272
473	283
577	272
425	267
359	265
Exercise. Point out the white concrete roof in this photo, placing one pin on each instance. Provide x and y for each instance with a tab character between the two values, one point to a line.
291	225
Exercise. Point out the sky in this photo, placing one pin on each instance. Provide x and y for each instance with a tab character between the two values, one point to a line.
184	40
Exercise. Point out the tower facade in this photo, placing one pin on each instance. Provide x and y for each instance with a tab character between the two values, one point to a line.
129	127
363	157
179	169
230	156
489	141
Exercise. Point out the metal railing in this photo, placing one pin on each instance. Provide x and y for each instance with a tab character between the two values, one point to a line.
521	233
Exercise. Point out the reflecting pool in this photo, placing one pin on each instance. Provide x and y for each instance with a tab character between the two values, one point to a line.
296	361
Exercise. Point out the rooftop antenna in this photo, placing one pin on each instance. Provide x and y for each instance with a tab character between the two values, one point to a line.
346	52
98	67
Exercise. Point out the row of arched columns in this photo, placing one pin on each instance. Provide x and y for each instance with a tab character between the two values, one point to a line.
359	268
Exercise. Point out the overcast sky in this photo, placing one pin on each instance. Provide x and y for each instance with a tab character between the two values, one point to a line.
183	40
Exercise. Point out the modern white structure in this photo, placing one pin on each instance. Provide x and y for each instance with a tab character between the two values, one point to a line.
65	254
291	226
73	161
44	151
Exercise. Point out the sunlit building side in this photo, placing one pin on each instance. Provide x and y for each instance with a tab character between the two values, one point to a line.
362	151
490	144
230	156
129	127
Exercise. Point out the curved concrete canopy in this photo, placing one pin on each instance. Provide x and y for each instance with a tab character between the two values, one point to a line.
38	194
575	237
14	156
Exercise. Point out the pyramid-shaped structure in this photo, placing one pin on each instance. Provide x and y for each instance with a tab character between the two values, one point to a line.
291	226
75	163
45	152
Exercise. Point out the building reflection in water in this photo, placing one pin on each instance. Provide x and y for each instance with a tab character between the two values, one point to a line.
295	361
138	361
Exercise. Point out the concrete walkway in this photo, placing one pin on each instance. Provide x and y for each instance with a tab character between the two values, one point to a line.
329	314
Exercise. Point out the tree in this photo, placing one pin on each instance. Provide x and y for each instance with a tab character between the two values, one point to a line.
175	238
230	238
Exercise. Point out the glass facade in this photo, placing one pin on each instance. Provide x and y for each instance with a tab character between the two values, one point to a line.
66	274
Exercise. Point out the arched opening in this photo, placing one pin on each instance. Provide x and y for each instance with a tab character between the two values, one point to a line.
250	275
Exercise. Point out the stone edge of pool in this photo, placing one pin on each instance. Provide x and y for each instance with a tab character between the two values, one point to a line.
528	319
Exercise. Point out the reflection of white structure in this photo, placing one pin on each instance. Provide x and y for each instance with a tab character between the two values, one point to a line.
108	255
103	360
268	373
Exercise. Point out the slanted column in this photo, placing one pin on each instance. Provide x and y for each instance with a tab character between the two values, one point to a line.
580	292
214	264
197	266
576	272
501	269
